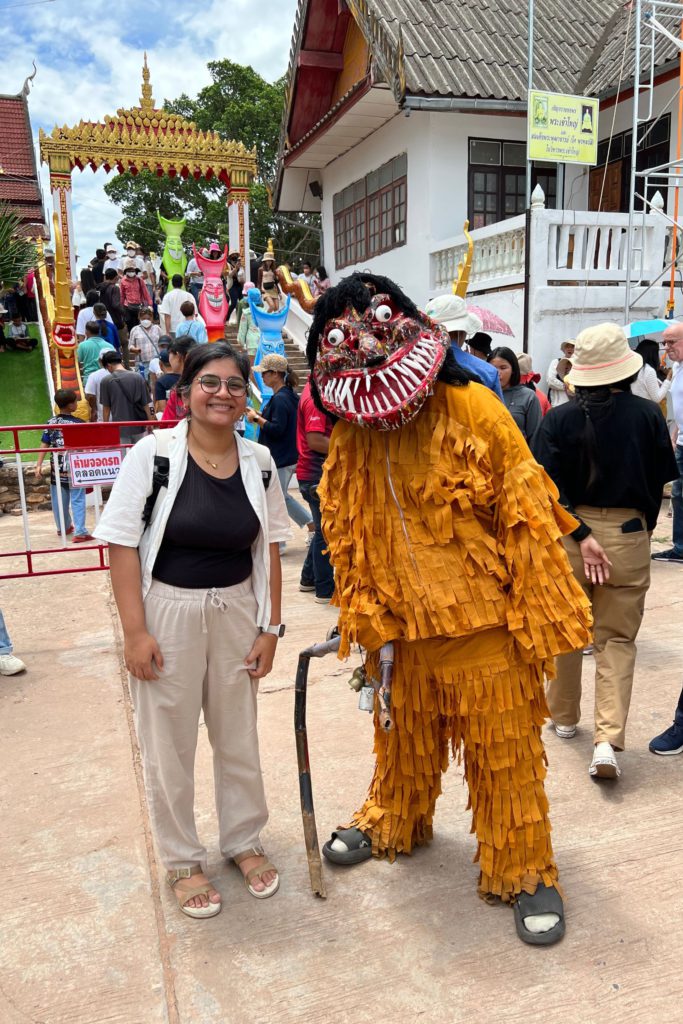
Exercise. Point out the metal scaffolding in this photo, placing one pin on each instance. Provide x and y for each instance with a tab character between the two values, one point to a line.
659	21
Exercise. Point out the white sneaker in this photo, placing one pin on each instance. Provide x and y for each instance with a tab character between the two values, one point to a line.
9	665
604	764
565	732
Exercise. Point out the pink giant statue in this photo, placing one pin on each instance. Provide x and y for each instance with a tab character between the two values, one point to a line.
213	304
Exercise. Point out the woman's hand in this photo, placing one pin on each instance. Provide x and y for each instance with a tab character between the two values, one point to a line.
142	655
596	564
251	415
259	661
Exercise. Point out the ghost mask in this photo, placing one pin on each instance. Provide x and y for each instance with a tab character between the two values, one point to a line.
376	358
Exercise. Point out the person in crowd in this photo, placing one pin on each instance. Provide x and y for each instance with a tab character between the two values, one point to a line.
194	279
112	262
268	283
10	665
190	326
108	331
92	387
671	740
88	352
124	396
277	428
72	498
155	371
148	273
652	382
144	339
86	281
322	280
248	333
133	256
165	382
521	403
480	345
169	311
178	351
110	297
308	276
29	304
97	267
531	380
673	346
244	301
610	455
199	597
88	313
134	294
557	389
17	338
78	300
313	430
238	277
452	313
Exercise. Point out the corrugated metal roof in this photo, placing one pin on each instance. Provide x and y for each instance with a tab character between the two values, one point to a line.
478	48
620	46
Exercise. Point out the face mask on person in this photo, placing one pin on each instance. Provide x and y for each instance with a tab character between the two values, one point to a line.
130	273
130	252
146	323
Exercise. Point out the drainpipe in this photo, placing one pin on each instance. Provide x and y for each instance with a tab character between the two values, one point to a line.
463	105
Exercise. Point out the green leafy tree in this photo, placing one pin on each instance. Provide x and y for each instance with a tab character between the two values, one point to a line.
17	254
238	104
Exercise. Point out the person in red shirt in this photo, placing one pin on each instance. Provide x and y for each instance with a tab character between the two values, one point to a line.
313	429
177	353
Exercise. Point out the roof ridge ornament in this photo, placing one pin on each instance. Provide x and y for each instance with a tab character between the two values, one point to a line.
465	265
146	99
26	87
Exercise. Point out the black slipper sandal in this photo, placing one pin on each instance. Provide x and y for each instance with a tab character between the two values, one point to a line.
359	847
544	901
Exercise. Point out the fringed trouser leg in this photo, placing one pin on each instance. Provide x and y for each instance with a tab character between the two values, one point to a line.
474	692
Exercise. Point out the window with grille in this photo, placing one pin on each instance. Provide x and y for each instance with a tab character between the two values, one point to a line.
497	181
370	216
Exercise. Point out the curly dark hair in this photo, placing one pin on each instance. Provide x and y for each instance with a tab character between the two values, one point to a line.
357	291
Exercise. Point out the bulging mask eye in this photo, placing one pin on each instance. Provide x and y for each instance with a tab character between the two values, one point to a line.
383	313
336	336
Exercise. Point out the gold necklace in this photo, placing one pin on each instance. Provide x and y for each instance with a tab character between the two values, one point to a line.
214	465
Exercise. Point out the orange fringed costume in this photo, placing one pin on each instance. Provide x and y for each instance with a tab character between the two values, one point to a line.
445	538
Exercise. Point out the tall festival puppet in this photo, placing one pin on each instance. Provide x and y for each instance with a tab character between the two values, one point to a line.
213	305
445	536
270	326
173	258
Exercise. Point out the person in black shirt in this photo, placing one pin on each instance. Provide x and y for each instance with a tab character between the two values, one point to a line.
610	455
123	396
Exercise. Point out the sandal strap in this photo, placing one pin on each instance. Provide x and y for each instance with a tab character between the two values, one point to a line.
253	851
258	871
174	876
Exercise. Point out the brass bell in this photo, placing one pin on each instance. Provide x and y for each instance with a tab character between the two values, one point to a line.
357	680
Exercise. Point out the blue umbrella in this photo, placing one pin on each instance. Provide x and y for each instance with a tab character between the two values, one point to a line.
640	328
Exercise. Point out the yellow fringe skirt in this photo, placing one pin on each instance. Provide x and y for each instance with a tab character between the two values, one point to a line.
473	697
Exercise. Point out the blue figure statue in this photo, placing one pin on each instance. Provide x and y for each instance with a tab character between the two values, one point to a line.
270	326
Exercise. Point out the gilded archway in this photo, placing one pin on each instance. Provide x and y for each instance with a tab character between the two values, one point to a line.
149	138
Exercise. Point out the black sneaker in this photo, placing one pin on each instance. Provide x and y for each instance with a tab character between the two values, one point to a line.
670	555
307	588
668	742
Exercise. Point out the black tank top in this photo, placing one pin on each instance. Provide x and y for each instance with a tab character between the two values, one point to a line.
209	533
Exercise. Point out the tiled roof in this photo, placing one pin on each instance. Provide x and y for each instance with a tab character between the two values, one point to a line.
19	191
19	186
478	48
605	76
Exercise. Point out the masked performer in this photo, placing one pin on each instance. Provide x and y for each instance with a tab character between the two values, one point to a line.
444	534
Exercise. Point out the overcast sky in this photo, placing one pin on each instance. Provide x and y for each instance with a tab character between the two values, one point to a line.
90	55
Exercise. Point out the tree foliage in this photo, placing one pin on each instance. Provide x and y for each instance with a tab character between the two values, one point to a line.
238	104
17	254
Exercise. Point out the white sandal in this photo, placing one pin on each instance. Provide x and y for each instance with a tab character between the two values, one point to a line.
257	872
184	893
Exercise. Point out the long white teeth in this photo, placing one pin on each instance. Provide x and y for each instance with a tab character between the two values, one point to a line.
412	361
365	405
409	373
394	396
382	376
367	382
356	385
328	392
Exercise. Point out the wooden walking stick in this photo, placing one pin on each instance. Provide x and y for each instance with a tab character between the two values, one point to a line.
315	868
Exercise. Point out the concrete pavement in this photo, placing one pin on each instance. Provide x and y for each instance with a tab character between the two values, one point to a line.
88	934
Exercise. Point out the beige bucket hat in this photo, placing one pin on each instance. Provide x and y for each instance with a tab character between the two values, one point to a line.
602	356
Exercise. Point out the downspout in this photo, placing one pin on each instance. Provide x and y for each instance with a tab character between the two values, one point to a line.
463	105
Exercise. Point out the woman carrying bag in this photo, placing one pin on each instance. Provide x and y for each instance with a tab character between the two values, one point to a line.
610	455
198	593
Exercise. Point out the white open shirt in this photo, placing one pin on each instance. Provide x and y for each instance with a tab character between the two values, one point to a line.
121	521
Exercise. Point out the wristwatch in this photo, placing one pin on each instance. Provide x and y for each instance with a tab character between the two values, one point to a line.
274	630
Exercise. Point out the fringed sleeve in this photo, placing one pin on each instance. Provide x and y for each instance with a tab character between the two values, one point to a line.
547	611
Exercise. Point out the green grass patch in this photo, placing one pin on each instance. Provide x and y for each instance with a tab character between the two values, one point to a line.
23	395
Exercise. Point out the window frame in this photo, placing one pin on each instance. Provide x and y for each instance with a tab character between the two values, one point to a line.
375	230
499	171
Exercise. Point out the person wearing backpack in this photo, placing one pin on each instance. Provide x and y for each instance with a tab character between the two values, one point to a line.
199	595
144	339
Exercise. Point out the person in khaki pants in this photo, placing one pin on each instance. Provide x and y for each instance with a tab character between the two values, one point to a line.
610	455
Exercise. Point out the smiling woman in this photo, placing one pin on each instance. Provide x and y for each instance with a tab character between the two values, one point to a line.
198	593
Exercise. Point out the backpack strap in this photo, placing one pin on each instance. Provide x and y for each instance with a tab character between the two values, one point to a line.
263	459
159	474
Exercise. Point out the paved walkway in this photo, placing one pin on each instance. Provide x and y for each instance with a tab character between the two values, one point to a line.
88	934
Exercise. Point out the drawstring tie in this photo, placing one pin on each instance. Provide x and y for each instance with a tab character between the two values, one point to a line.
216	602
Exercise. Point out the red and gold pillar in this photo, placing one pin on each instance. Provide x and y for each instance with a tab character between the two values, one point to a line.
238	217
60	186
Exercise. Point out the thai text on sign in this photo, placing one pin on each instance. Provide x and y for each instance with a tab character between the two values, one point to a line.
562	129
89	468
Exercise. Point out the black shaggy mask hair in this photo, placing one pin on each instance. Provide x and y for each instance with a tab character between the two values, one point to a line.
357	291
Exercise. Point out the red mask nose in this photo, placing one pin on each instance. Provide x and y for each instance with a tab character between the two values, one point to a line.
368	344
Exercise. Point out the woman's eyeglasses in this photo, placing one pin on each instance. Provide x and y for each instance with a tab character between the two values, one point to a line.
210	384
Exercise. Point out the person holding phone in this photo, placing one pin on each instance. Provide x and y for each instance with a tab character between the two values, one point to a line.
610	455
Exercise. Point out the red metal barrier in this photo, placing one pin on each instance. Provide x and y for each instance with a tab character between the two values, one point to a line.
86	437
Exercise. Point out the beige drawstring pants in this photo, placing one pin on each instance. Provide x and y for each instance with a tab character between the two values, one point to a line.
204	636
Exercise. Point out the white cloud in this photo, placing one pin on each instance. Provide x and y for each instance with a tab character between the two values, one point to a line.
89	60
